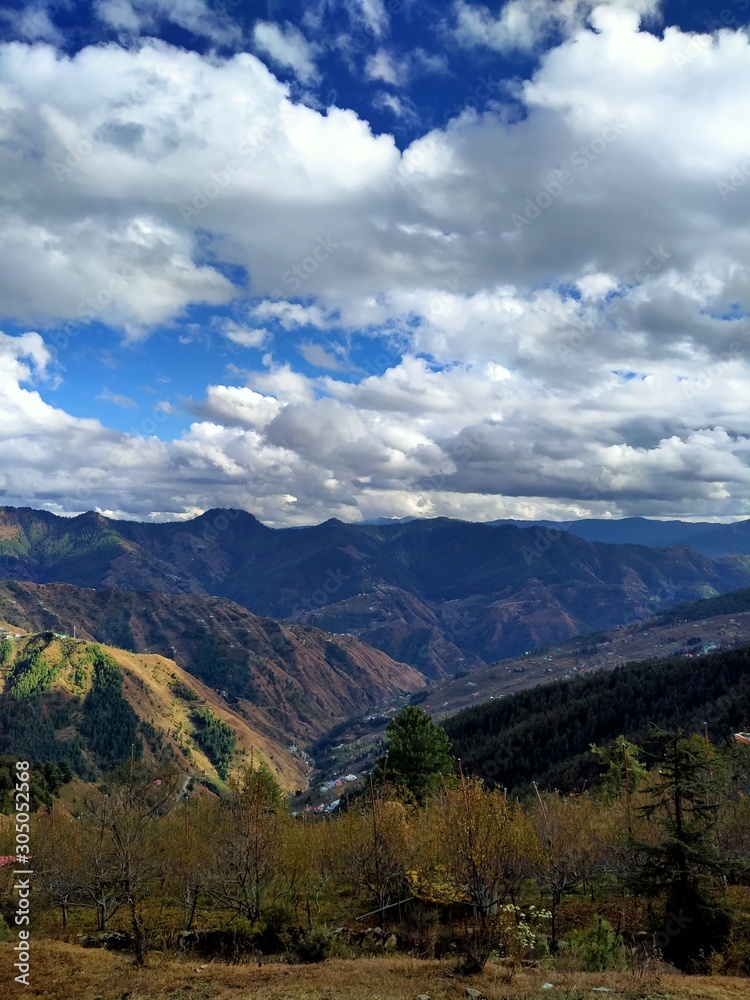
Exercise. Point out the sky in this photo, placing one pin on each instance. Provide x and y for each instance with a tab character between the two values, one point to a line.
375	258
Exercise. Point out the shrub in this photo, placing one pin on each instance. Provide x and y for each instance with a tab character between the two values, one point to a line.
277	931
181	690
314	945
598	948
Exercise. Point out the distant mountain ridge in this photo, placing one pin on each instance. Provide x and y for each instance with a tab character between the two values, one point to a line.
439	594
703	536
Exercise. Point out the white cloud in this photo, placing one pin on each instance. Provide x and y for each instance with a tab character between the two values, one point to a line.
315	354
524	24
372	13
581	360
397	70
292	315
402	109
124	402
287	47
238	406
32	23
381	65
140	17
244	336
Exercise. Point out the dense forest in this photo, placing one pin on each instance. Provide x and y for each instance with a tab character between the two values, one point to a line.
544	734
733	603
101	728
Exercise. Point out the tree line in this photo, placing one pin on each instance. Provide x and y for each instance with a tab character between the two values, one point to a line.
544	734
656	859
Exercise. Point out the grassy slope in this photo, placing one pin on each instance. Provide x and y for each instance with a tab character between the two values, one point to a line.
290	685
146	686
77	974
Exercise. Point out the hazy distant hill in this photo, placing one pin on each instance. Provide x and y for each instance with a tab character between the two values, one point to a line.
290	681
703	536
438	594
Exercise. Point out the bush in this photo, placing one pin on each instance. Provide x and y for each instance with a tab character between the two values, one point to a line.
181	690
598	948
277	931
215	738
314	945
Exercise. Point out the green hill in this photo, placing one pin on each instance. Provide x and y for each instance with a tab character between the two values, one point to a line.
86	708
544	734
732	603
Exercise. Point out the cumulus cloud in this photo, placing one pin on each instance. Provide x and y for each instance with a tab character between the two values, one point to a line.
561	296
244	336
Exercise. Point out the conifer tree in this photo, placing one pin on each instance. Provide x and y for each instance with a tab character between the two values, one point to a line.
419	751
684	866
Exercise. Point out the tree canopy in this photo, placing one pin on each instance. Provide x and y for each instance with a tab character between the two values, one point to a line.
419	751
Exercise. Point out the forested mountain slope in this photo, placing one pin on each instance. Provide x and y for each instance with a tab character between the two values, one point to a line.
290	681
64	699
544	734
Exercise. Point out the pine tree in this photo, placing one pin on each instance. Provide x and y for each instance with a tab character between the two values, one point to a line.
684	866
419	751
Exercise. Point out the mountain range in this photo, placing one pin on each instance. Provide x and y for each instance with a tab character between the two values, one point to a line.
440	595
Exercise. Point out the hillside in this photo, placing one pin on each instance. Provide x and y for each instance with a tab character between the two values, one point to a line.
544	734
695	627
290	681
735	602
68	699
438	594
685	631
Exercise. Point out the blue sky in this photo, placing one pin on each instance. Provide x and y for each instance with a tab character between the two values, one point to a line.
375	258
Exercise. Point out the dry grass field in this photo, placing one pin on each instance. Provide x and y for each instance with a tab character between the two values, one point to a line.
69	972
